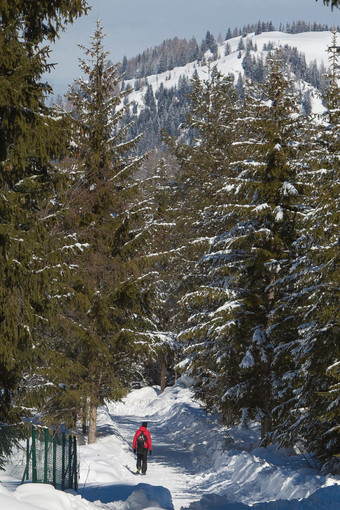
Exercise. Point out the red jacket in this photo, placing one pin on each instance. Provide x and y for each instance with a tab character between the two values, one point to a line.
147	443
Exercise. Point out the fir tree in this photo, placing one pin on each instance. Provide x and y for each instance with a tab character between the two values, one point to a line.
263	232
315	287
331	415
30	138
258	193
205	169
267	237
101	225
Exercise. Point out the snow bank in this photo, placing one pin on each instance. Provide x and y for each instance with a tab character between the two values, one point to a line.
323	499
39	496
196	465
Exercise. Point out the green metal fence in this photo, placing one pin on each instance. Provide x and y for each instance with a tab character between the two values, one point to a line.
52	458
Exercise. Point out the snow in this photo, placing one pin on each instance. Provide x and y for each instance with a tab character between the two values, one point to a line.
279	213
313	45
248	360
289	189
196	465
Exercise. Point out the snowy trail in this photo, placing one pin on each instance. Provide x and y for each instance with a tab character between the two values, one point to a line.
172	465
191	458
166	467
196	465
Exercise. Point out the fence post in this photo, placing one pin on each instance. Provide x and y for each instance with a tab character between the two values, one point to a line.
46	456
70	470
27	458
34	457
63	474
75	464
54	461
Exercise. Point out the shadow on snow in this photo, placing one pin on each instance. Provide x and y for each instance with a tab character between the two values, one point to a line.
120	492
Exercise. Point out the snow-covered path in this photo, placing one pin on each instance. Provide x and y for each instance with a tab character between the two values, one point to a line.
196	465
178	440
167	465
193	456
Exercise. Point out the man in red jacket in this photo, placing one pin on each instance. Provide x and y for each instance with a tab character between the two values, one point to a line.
141	445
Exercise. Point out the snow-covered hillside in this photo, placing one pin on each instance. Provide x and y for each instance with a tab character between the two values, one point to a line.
196	464
312	44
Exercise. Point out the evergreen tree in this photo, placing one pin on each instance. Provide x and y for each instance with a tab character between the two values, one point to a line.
263	234
167	264
331	415
205	169
30	138
267	237
314	289
107	303
228	34
231	337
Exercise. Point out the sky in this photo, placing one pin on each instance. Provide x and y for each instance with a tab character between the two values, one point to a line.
196	464
132	26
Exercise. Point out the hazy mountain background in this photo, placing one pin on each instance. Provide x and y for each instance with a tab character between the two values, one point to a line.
133	26
160	77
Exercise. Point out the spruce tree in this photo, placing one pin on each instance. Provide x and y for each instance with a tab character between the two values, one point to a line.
264	237
205	175
332	3
314	287
159	191
30	138
232	332
331	415
102	228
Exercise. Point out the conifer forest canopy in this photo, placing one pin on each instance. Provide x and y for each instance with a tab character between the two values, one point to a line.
213	252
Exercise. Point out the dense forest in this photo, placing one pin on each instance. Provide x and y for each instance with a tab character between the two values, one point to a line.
215	254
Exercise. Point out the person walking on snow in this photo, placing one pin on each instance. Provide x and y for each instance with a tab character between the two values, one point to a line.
141	445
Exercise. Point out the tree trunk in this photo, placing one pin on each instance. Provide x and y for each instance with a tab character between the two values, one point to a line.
92	424
228	420
84	420
266	426
163	375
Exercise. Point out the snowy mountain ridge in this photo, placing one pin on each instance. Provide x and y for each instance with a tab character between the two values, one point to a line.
160	101
313	45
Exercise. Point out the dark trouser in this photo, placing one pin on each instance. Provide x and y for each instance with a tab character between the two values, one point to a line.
142	460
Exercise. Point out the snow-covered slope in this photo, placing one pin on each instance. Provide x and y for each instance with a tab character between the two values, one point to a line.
196	464
312	44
